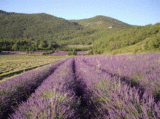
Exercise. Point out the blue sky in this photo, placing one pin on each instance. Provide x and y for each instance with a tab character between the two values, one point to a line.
135	12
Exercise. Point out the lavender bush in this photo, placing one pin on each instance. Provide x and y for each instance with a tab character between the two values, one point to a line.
82	53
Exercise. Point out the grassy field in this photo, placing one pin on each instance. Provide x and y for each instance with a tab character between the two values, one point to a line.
18	63
79	46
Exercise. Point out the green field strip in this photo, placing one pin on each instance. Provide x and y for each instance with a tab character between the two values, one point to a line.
12	73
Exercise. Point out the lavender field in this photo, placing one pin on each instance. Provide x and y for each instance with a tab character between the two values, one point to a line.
86	87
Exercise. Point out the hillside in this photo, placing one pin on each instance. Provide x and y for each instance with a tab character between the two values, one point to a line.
40	27
139	39
102	23
42	31
32	32
6	13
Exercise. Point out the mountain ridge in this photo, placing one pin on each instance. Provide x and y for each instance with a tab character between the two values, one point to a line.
101	22
97	18
6	13
24	25
45	26
41	31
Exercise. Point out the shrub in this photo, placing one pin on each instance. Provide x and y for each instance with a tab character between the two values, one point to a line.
90	52
48	52
29	52
73	52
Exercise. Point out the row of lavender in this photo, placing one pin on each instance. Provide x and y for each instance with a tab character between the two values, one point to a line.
55	98
19	88
140	70
116	99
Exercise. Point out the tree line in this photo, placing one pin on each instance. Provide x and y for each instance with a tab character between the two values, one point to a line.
27	45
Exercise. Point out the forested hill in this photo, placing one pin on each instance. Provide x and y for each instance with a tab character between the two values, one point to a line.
102	22
39	27
48	27
135	40
42	31
6	13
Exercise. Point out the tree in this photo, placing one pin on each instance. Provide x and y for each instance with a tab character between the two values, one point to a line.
43	45
15	46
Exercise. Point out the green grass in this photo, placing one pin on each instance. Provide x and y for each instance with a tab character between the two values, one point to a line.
79	46
19	63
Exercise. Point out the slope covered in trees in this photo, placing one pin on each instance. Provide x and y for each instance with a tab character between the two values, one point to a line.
102	23
40	31
39	26
43	31
32	32
143	38
6	13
